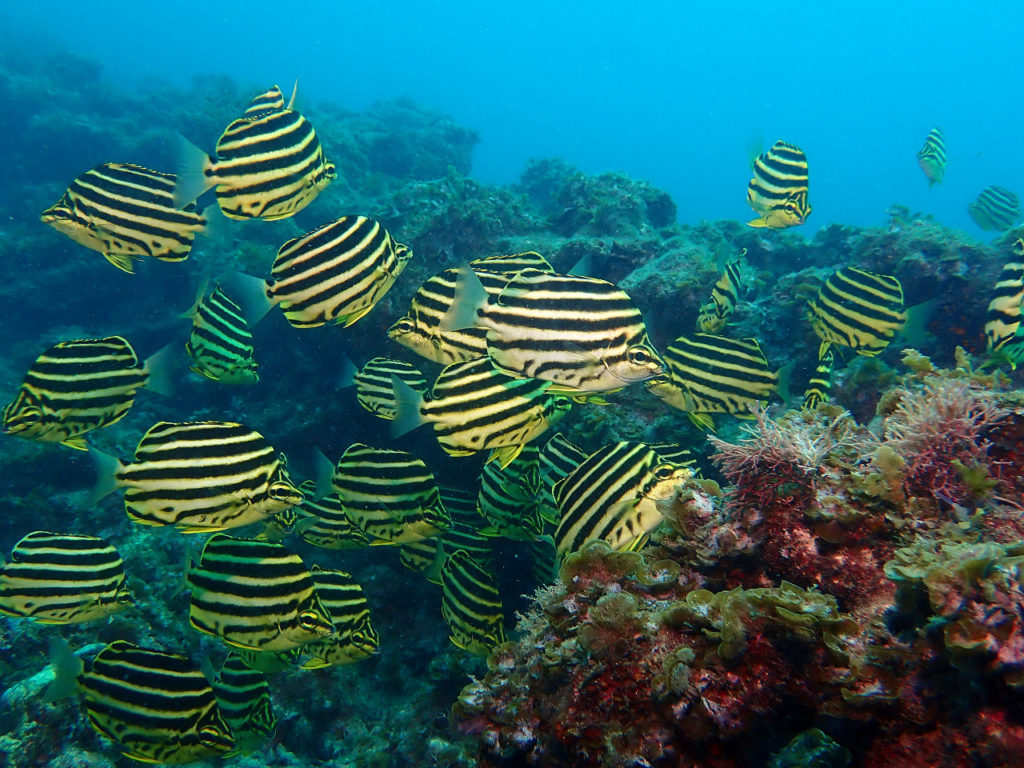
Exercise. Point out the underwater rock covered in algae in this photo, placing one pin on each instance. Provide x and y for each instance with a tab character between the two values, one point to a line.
821	587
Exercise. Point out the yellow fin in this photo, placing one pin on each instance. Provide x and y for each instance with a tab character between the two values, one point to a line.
122	262
703	421
759	222
78	443
504	455
346	320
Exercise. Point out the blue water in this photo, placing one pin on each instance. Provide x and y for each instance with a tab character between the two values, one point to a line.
679	95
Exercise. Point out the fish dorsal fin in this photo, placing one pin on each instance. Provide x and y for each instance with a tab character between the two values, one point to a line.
295	90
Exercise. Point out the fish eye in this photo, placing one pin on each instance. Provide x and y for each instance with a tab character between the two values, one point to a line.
282	491
639	356
211	736
664	472
402	326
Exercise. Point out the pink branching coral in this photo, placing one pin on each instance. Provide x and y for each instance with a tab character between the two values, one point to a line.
938	430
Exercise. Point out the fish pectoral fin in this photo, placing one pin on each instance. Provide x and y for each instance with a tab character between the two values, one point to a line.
504	455
704	421
346	320
121	261
759	223
78	443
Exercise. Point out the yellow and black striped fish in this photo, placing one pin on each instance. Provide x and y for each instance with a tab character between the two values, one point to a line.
335	273
354	636
271	100
475	407
509	498
428	555
243	697
256	595
221	344
322	522
470	605
126	212
932	157
375	390
819	388
996	209
612	495
268	164
714	374
78	386
857	309
778	190
389	494
420	328
713	315
557	458
200	476
579	333
1002	319
156	706
63	578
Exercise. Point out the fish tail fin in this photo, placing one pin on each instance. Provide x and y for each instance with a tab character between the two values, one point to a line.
107	467
204	284
408	403
784	374
323	474
160	369
66	668
915	329
348	372
470	296
584	267
192	180
250	293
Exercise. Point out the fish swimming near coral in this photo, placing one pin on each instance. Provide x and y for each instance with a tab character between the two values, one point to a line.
322	522
708	374
714	314
932	157
475	407
819	388
78	386
127	213
221	343
1002	318
63	578
354	637
268	164
612	495
471	605
157	707
389	494
858	309
335	273
375	390
420	329
996	209
509	497
582	334
199	476
243	697
255	595
778	190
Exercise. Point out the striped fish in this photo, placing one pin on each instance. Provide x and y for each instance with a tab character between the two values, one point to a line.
714	374
613	496
857	309
374	388
78	386
255	595
268	164
676	453
778	190
63	578
126	212
819	388
420	328
932	157
221	344
1002	319
474	407
580	333
156	706
557	458
270	662
509	498
335	273
713	315
354	636
470	605
428	555
200	476
243	697
389	494
322	522
271	100
996	209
